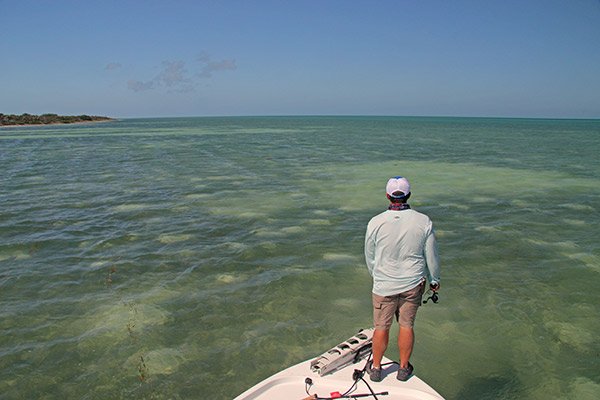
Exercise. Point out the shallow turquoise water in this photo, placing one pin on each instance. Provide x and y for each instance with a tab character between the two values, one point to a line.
180	258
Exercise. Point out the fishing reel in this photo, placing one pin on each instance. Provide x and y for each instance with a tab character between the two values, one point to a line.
434	297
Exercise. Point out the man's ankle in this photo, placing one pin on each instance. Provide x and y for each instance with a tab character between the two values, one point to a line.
373	366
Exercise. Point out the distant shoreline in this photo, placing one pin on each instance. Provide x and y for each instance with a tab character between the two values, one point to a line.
28	120
58	123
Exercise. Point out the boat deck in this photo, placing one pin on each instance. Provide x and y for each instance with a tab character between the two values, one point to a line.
289	384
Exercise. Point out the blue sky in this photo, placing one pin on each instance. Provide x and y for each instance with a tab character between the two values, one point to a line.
527	58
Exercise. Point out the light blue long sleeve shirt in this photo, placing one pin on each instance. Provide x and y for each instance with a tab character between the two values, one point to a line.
401	251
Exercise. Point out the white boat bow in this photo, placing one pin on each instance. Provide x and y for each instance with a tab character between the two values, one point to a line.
340	373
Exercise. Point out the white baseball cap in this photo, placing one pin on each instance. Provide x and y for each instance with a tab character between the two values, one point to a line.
397	184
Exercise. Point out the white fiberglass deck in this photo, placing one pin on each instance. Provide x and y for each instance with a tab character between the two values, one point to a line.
289	384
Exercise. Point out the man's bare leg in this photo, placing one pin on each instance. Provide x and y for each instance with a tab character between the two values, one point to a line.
406	341
380	343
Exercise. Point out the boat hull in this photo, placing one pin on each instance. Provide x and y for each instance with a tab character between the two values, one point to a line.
289	384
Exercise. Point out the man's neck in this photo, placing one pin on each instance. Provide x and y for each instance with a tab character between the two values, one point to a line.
398	206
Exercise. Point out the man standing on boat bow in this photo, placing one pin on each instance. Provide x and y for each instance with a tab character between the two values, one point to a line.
401	254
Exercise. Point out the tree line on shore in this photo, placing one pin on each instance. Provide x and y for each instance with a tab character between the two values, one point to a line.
44	119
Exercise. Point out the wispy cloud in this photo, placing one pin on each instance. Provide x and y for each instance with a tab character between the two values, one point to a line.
174	75
209	66
139	86
112	65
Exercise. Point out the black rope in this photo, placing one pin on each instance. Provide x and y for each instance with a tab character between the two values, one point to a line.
357	376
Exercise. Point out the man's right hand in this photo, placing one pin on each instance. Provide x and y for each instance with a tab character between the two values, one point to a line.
434	286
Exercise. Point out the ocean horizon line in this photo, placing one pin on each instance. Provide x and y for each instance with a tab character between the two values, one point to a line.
360	116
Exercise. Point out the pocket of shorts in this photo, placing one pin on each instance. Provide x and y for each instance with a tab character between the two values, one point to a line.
380	302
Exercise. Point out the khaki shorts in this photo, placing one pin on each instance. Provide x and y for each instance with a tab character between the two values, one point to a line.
404	306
